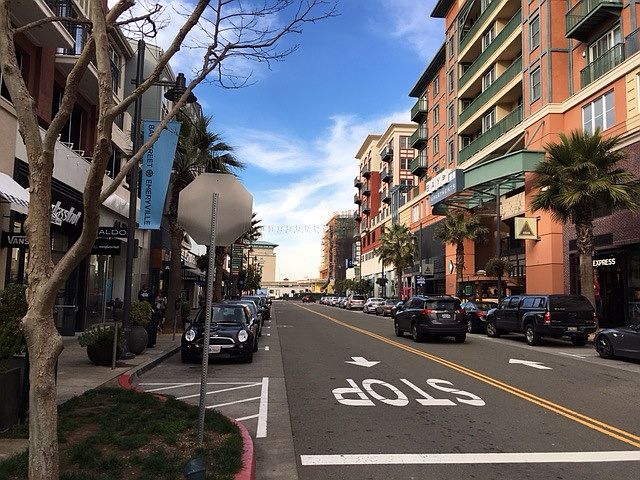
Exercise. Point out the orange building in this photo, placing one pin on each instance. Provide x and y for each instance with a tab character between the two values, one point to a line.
508	78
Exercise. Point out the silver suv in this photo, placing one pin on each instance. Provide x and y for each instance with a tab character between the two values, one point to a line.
355	301
371	304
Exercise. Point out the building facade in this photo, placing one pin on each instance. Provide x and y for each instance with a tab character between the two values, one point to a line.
336	252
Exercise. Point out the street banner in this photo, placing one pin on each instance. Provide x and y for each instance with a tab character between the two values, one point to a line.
155	173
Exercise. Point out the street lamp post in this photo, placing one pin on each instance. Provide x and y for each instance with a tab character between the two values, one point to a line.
174	94
498	252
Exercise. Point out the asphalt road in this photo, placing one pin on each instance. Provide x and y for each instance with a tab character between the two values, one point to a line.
436	410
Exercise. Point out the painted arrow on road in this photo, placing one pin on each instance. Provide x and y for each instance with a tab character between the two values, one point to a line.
362	362
530	363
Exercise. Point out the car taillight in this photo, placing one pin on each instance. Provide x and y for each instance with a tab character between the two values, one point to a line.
481	313
547	317
426	311
459	311
595	318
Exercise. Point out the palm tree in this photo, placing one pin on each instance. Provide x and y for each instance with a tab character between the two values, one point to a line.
199	150
397	248
581	174
457	227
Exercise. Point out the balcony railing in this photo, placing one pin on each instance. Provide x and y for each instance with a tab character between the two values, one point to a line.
420	110
365	172
386	176
385	197
512	119
509	74
585	15
418	165
366	208
419	138
601	65
357	182
387	154
480	60
366	190
357	199
475	28
357	216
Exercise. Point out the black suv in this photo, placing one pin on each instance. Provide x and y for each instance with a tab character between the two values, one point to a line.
431	315
543	316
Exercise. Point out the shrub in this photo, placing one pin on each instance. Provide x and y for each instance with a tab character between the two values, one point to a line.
13	306
140	313
100	336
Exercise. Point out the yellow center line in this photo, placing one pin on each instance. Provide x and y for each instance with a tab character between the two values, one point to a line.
585	420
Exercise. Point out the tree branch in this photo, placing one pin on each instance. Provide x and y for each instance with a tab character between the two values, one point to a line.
43	21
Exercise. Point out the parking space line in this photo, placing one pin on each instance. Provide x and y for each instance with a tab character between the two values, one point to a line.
241	419
266	349
264	406
179	385
220	391
234	402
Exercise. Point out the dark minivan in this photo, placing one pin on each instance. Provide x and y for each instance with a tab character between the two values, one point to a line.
431	315
540	316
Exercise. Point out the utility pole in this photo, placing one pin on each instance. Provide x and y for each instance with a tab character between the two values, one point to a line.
420	263
498	222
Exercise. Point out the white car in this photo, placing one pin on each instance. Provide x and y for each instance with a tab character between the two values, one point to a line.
355	302
371	304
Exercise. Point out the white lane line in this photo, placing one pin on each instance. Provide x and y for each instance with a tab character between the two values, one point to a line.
241	419
268	334
266	349
220	391
470	458
198	383
179	385
261	432
233	403
571	355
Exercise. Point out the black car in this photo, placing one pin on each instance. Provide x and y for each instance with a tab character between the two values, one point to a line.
619	342
476	313
256	313
233	333
540	316
431	315
263	305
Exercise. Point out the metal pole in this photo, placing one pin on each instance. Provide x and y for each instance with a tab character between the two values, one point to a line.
133	202
498	222
211	271
115	345
104	289
424	285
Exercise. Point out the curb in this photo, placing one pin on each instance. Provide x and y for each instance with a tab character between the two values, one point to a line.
248	470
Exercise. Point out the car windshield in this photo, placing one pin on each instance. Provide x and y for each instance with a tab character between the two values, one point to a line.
485	305
358	297
442	304
375	299
223	314
256	300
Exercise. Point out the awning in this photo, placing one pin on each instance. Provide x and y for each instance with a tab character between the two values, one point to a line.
484	180
13	193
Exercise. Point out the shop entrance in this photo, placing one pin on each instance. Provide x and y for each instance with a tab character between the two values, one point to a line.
609	283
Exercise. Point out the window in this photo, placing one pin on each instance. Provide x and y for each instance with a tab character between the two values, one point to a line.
404	142
488	78
488	37
404	163
465	140
450	46
450	80
114	57
535	84
436	114
605	43
485	4
436	86
534	33
71	133
113	166
450	115
489	120
599	114
450	152
513	303
436	144
415	213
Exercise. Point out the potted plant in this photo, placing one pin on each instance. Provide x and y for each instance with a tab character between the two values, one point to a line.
13	306
139	315
99	343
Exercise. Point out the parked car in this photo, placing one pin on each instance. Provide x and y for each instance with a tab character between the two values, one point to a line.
354	302
233	333
431	315
308	299
371	304
476	313
262	304
386	307
540	316
619	342
342	303
335	300
398	306
253	308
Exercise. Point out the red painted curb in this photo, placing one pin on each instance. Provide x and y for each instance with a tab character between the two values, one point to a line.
248	470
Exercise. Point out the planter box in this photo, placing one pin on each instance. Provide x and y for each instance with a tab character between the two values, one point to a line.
101	355
10	393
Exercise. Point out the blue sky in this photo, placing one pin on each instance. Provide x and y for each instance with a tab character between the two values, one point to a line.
299	126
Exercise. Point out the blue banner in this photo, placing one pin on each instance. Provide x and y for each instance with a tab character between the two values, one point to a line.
157	163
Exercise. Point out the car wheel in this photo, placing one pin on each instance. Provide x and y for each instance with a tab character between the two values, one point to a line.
604	347
461	338
415	334
492	330
396	327
533	338
579	340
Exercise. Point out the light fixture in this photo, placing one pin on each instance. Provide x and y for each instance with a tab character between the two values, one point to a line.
175	93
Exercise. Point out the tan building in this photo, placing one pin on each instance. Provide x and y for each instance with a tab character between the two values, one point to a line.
337	240
263	254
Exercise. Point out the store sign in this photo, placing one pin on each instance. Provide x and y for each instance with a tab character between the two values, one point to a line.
421	281
106	246
60	214
445	184
112	232
525	228
604	262
427	269
14	240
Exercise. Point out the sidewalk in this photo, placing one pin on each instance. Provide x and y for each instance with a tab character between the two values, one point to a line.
76	375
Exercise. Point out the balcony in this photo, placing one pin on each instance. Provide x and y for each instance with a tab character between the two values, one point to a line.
419	138
386	176
357	199
481	59
366	190
588	15
387	154
512	119
366	208
357	217
475	28
357	182
51	34
420	110
385	197
418	165
365	172
491	92
601	65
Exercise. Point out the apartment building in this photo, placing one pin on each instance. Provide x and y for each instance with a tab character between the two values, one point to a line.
508	78
336	247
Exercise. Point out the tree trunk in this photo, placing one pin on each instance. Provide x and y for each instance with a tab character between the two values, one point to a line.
45	345
459	267
175	268
398	283
584	243
220	253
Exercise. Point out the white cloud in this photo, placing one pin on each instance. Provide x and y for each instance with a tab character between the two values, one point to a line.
324	167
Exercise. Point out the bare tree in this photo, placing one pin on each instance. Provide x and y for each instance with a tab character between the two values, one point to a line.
234	28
